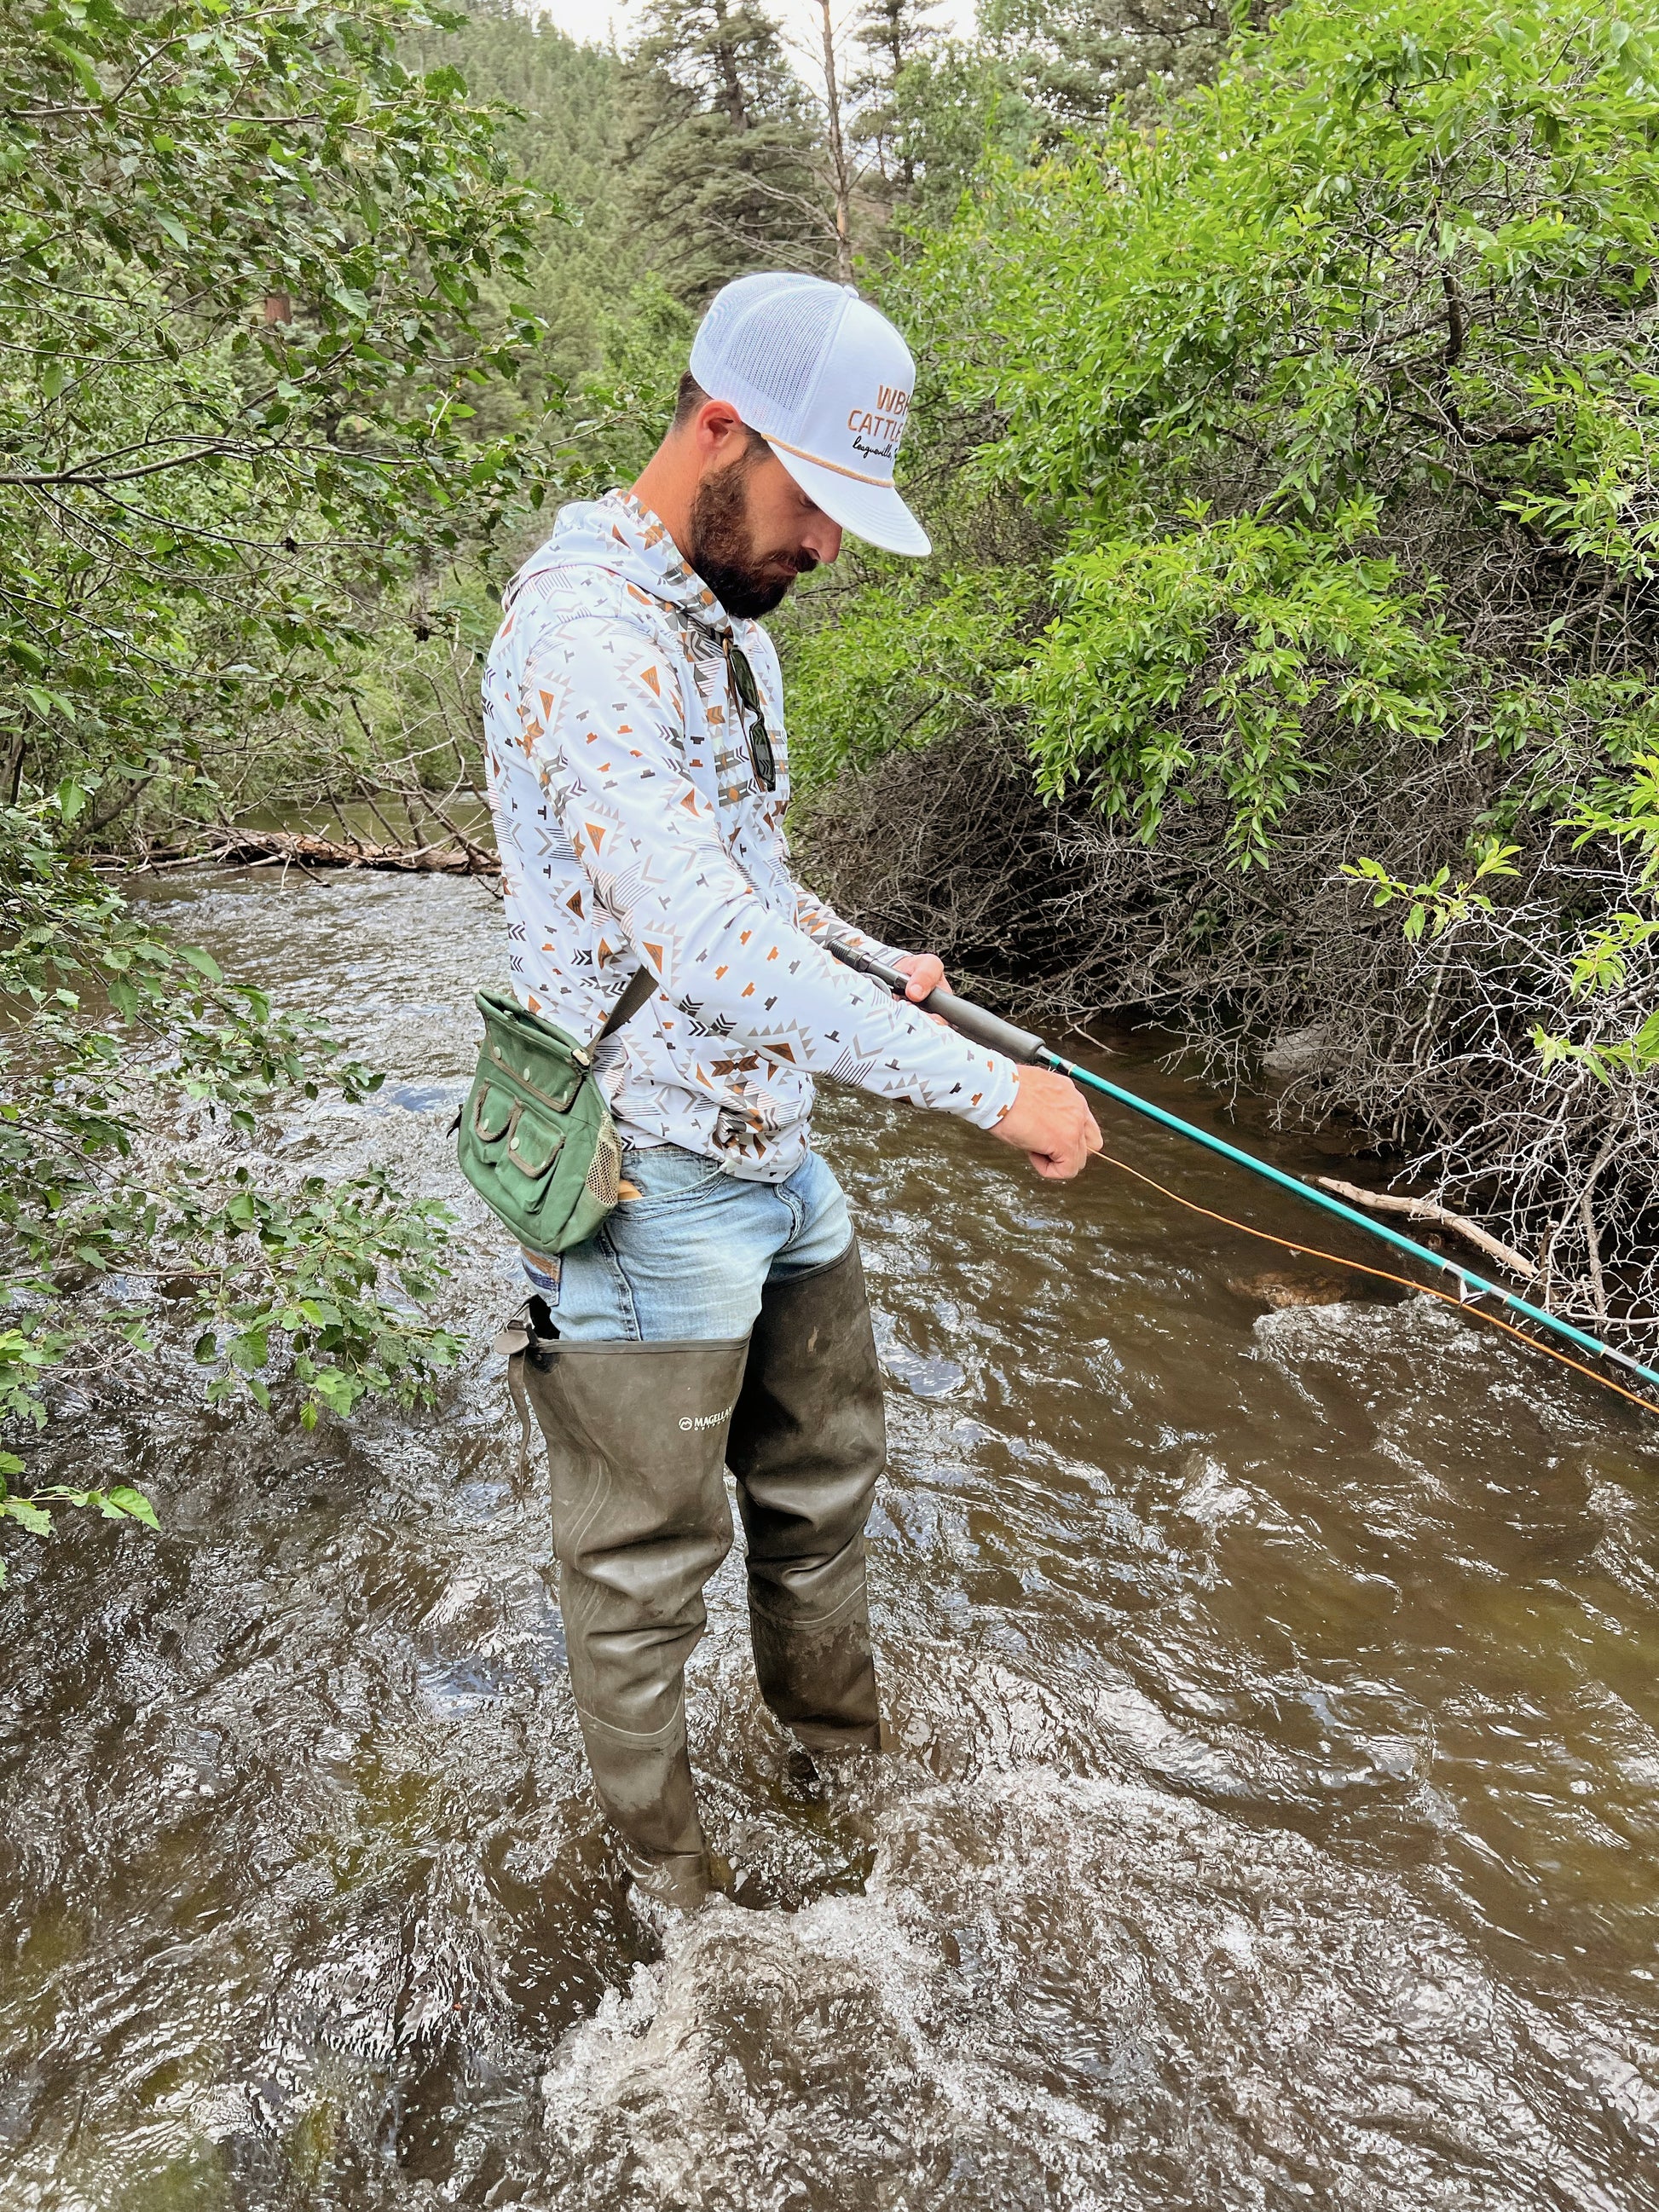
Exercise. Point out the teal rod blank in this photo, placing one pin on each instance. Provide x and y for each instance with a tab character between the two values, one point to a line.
1467	1277
988	1029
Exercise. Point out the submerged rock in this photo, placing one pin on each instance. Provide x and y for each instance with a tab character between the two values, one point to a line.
1280	1291
1296	1052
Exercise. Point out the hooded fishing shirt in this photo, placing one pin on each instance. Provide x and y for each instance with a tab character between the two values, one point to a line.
633	828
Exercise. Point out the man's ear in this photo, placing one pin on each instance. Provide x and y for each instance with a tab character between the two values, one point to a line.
718	432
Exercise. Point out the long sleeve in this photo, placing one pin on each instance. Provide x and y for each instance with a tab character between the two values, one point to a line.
604	729
820	921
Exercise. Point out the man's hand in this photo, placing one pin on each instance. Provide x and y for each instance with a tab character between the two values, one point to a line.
926	972
1050	1123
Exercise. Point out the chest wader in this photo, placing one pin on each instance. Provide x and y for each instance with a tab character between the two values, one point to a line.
637	1438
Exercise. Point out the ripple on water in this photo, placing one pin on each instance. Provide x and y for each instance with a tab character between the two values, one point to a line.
1271	1818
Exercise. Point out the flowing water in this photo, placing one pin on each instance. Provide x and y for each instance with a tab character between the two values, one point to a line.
1271	1818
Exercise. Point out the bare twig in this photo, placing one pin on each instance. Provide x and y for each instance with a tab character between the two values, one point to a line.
1425	1209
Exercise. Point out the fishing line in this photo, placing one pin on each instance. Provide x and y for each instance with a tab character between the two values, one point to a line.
1382	1275
1021	1045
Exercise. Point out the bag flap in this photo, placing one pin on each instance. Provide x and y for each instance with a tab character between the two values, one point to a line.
525	1050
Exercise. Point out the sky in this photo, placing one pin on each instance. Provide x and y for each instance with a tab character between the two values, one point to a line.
596	20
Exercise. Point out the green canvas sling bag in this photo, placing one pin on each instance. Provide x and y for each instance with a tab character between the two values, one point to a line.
536	1141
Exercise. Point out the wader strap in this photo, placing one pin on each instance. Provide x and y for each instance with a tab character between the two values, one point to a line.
520	1397
532	1322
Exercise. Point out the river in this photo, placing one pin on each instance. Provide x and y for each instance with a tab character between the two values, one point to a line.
1273	1821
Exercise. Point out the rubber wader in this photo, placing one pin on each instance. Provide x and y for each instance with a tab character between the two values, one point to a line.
637	1436
636	1445
808	1441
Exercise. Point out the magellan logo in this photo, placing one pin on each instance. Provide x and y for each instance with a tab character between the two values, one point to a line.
689	1421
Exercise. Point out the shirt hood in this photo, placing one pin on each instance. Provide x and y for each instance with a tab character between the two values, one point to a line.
628	541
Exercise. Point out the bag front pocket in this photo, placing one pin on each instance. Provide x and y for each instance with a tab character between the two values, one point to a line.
492	1114
532	1144
514	1142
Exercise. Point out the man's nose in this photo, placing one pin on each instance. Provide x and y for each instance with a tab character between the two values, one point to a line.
822	538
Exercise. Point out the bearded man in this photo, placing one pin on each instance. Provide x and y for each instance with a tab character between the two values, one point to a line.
639	775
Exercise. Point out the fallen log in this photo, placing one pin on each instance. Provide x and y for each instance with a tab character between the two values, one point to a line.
1425	1209
229	848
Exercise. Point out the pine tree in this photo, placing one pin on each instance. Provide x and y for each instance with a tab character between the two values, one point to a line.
719	147
894	35
1073	58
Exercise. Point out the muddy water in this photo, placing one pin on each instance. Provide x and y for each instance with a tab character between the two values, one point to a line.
1273	1820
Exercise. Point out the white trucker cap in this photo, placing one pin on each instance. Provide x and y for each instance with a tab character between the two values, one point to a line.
826	381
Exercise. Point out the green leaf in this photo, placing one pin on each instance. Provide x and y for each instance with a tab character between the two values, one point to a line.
133	1504
76	61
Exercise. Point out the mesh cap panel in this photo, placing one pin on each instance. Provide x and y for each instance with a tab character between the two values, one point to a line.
762	341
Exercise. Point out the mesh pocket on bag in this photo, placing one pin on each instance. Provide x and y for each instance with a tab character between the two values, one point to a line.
604	1168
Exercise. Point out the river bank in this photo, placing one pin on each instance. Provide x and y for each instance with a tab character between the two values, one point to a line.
1271	1818
1455	1053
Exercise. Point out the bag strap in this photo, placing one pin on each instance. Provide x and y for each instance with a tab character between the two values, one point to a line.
640	985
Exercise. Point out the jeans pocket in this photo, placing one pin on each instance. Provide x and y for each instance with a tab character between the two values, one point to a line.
666	1176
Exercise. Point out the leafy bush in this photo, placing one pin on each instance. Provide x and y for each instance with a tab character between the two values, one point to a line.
252	277
119	1023
901	666
1330	392
241	258
1268	636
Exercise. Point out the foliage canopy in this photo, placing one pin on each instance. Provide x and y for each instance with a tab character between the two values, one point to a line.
1300	440
246	258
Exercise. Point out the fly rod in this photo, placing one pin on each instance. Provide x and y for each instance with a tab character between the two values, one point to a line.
1020	1045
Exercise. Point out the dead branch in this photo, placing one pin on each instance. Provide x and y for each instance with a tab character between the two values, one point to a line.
222	847
1425	1209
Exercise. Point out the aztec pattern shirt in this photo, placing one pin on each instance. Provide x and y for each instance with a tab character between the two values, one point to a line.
633	828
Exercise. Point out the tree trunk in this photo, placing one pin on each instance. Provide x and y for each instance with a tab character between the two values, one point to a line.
454	855
737	108
838	171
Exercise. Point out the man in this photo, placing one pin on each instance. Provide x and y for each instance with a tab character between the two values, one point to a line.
639	776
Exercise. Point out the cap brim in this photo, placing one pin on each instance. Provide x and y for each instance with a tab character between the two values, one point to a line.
873	512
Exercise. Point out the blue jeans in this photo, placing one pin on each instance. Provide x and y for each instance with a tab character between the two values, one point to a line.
687	1259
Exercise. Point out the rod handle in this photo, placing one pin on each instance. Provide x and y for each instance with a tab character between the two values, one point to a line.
978	1023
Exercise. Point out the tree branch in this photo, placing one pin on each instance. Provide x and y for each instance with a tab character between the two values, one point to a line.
1425	1209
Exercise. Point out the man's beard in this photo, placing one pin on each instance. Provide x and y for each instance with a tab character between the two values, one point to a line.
722	551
